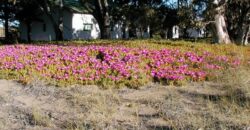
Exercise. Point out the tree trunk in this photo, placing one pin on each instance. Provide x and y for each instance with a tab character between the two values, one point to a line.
166	33
107	29
58	27
57	23
124	26
60	22
245	39
178	4
151	33
58	32
29	31
222	35
103	18
242	31
221	29
141	32
105	33
6	21
6	27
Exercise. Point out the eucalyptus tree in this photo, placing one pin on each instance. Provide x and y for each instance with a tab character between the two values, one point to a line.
238	20
138	14
54	10
130	12
121	11
218	10
149	15
28	13
168	17
100	9
7	14
187	16
27	10
229	19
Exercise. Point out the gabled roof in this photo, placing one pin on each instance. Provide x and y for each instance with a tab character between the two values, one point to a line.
74	5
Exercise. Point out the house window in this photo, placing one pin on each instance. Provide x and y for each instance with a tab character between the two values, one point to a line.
44	27
87	27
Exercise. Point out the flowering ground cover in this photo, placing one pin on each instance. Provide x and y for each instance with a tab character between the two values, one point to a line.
106	65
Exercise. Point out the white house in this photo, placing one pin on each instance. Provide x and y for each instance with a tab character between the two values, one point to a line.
77	25
196	32
175	32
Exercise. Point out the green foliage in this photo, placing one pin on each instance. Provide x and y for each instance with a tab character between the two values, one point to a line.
236	13
158	15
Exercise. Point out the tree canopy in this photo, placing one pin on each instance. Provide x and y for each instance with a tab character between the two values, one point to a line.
227	20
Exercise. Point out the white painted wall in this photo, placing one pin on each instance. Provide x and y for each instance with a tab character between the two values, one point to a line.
78	22
175	32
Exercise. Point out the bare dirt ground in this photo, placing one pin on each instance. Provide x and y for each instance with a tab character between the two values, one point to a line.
194	106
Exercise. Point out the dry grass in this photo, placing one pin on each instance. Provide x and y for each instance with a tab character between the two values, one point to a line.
223	104
40	118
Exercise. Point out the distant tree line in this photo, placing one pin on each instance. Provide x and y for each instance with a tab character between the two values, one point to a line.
228	20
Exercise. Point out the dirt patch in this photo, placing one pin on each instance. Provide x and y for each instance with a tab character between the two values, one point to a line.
154	106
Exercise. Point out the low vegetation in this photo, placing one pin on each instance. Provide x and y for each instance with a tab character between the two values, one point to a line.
120	63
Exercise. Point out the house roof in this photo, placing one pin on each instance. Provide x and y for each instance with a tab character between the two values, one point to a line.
74	5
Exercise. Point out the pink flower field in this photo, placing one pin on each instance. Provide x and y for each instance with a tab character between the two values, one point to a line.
108	64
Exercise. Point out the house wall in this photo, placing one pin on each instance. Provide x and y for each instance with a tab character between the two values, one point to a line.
117	32
38	31
74	28
196	33
43	30
79	22
67	25
144	33
175	32
23	32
